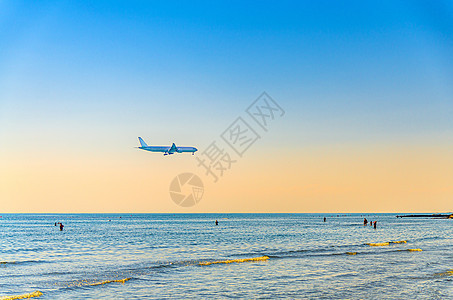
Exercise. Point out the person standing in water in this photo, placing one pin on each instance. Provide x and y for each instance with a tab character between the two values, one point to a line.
375	224
325	219
216	222
61	226
365	221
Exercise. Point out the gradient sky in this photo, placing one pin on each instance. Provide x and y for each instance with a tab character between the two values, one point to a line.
367	87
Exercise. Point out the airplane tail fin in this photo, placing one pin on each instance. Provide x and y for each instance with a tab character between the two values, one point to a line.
142	142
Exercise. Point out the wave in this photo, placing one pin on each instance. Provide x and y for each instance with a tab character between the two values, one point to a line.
16	250
372	252
261	258
24	296
351	249
308	252
145	270
142	270
110	281
83	283
20	262
386	243
291	253
378	244
446	273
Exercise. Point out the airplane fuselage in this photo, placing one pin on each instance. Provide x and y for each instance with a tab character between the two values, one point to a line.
165	149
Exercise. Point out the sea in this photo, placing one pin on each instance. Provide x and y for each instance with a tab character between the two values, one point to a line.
245	256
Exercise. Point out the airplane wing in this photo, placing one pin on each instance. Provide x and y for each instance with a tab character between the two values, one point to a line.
172	149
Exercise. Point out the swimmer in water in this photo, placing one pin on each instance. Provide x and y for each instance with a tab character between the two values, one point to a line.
216	222
325	219
375	224
61	227
365	221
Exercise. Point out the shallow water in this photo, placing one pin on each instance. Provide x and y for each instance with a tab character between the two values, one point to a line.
187	256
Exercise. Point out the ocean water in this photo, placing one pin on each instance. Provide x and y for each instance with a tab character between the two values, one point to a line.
289	256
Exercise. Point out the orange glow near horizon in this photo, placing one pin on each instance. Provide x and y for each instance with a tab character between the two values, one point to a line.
319	179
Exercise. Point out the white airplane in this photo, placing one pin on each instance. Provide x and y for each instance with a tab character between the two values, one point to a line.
166	150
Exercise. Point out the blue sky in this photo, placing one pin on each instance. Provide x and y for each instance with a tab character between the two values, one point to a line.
327	61
91	76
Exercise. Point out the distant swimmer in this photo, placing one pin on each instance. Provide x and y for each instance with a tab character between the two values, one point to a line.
61	227
375	224
365	221
55	223
216	222
325	219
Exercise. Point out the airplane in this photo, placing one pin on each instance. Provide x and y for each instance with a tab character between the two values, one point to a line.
166	150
